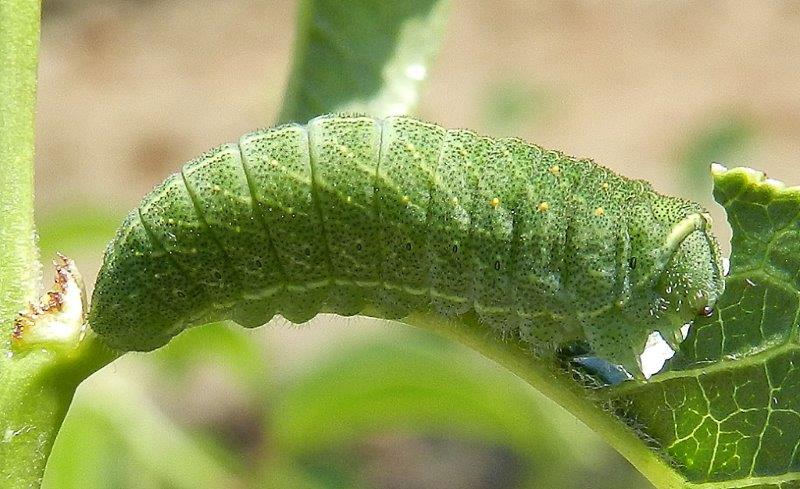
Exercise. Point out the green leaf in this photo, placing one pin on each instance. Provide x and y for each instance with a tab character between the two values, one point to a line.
361	56
727	411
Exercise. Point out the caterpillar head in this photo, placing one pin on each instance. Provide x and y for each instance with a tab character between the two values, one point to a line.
692	279
678	278
687	277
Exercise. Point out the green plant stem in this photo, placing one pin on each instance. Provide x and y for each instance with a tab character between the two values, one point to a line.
36	389
36	386
19	45
562	389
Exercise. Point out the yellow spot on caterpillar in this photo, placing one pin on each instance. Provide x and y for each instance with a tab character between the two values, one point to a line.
410	146
555	170
273	162
604	186
543	207
494	202
349	199
217	188
170	221
406	199
599	212
343	148
462	152
454	200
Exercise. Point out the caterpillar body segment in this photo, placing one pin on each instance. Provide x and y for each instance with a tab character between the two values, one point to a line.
278	165
402	216
406	179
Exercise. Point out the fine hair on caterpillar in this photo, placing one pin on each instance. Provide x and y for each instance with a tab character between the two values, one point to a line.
389	217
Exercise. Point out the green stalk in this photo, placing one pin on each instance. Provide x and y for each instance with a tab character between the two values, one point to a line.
37	380
52	350
19	45
36	389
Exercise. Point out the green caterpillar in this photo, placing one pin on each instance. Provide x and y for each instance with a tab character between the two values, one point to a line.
402	216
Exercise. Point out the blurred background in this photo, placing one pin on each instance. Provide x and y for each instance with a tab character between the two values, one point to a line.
131	89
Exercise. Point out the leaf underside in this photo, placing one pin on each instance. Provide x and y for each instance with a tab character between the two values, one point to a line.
362	56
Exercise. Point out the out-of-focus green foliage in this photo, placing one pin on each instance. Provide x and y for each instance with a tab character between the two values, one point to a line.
362	56
724	140
508	105
221	344
133	441
319	424
76	229
115	437
412	382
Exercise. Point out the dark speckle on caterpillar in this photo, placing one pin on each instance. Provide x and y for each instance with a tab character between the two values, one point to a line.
403	216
